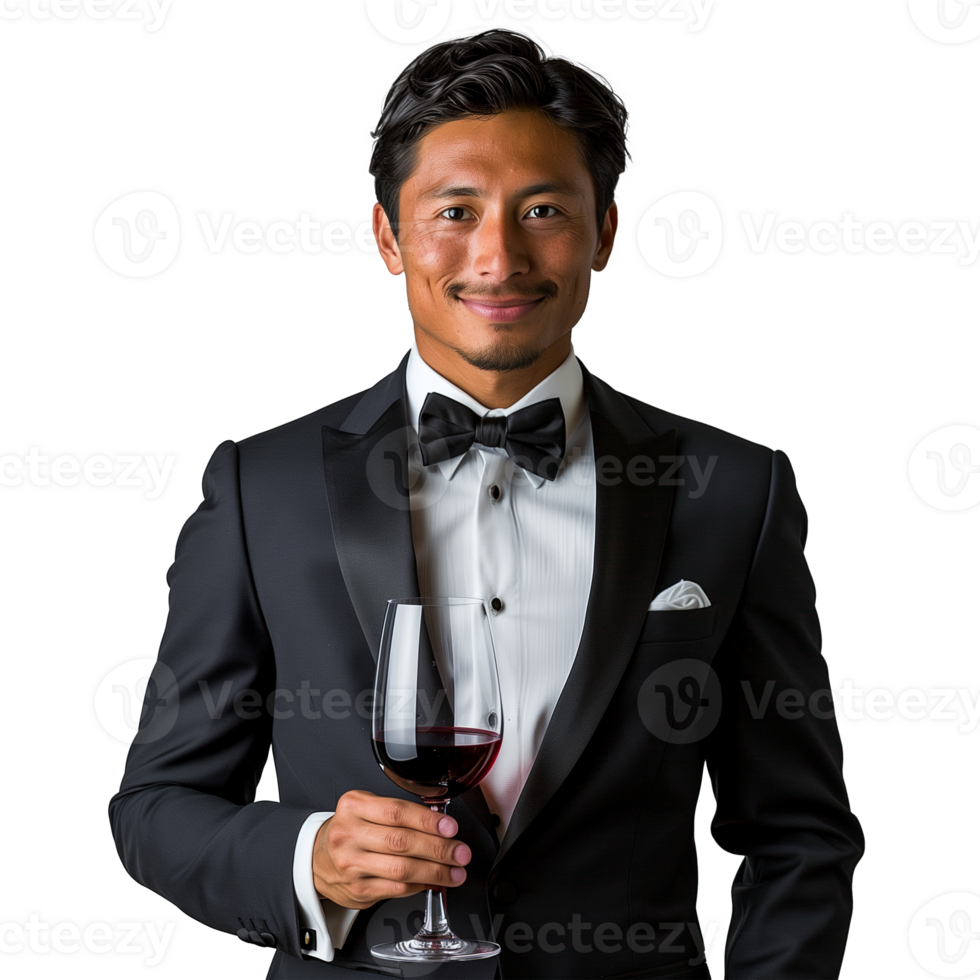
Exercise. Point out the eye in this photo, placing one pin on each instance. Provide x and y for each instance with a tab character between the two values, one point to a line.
542	207
457	216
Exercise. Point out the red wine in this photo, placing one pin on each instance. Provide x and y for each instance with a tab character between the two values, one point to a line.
447	761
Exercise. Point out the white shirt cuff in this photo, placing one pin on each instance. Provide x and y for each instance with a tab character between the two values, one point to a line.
331	921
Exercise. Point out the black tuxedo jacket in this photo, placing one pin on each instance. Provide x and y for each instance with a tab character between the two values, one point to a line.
277	598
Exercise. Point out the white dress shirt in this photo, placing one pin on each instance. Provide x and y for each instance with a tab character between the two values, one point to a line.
531	546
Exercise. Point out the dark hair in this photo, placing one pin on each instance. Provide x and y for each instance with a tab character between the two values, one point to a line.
489	73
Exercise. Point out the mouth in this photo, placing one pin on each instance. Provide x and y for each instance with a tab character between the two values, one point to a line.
501	310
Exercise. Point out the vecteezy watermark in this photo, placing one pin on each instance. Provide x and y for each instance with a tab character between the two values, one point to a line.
408	21
37	936
150	13
944	935
880	237
680	235
947	21
681	701
138	235
309	702
282	237
416	21
604	937
97	471
142	685
399	919
399	478
944	468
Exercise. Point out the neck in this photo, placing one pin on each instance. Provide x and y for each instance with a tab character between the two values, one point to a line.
493	389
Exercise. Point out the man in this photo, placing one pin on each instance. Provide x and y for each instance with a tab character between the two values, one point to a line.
652	607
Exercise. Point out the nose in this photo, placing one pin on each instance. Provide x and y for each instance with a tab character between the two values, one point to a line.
499	246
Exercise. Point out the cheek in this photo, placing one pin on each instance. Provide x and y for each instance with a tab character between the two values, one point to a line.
433	256
566	260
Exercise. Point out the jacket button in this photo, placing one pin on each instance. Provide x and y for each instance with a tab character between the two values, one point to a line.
243	935
256	937
505	892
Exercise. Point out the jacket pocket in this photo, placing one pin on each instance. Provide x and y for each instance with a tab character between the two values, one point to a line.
673	625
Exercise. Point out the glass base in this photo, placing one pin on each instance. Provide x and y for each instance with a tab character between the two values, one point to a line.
435	950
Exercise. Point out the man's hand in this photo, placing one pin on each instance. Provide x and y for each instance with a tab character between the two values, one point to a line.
377	847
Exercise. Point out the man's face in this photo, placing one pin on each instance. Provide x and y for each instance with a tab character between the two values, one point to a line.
497	238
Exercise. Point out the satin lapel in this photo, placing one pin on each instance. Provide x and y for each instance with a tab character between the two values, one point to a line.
631	525
365	467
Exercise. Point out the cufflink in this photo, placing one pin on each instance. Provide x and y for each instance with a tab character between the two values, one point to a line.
308	940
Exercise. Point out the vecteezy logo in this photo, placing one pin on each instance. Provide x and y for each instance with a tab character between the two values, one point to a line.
145	685
408	21
944	935
944	468
680	702
680	235
138	235
396	475
947	21
398	920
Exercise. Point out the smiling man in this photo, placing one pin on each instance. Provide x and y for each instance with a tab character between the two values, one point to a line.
498	238
652	610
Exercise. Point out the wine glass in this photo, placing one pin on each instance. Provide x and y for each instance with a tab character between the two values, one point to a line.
436	730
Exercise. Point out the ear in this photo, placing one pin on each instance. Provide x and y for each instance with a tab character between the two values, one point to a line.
385	237
606	238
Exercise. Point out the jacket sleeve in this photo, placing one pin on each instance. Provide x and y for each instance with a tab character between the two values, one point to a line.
775	761
184	820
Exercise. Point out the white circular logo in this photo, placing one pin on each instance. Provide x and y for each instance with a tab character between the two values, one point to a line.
947	21
397	920
138	235
680	235
944	935
396	475
134	687
680	702
944	468
408	21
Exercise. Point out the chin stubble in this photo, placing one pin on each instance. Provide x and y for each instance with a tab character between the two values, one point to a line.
500	357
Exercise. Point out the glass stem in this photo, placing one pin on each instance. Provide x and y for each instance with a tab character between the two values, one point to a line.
436	925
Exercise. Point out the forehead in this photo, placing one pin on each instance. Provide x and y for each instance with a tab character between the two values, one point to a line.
516	148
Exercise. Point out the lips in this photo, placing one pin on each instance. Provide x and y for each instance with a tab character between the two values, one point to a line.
501	310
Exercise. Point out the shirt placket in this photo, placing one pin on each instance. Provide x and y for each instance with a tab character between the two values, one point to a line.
496	553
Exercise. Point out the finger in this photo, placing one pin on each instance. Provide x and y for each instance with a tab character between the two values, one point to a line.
383	839
397	867
388	811
368	891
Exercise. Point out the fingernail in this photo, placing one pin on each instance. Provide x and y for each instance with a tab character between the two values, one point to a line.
462	853
457	874
447	826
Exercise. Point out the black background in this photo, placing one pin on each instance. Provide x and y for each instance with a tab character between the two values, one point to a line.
846	361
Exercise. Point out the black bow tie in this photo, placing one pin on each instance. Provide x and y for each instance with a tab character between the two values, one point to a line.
534	437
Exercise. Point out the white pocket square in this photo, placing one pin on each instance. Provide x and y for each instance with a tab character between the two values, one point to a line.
681	595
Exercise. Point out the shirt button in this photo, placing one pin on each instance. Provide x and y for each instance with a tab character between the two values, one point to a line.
495	493
496	604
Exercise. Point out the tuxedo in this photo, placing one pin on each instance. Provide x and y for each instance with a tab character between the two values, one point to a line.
278	589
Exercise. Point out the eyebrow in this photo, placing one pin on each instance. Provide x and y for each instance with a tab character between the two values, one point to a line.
543	187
